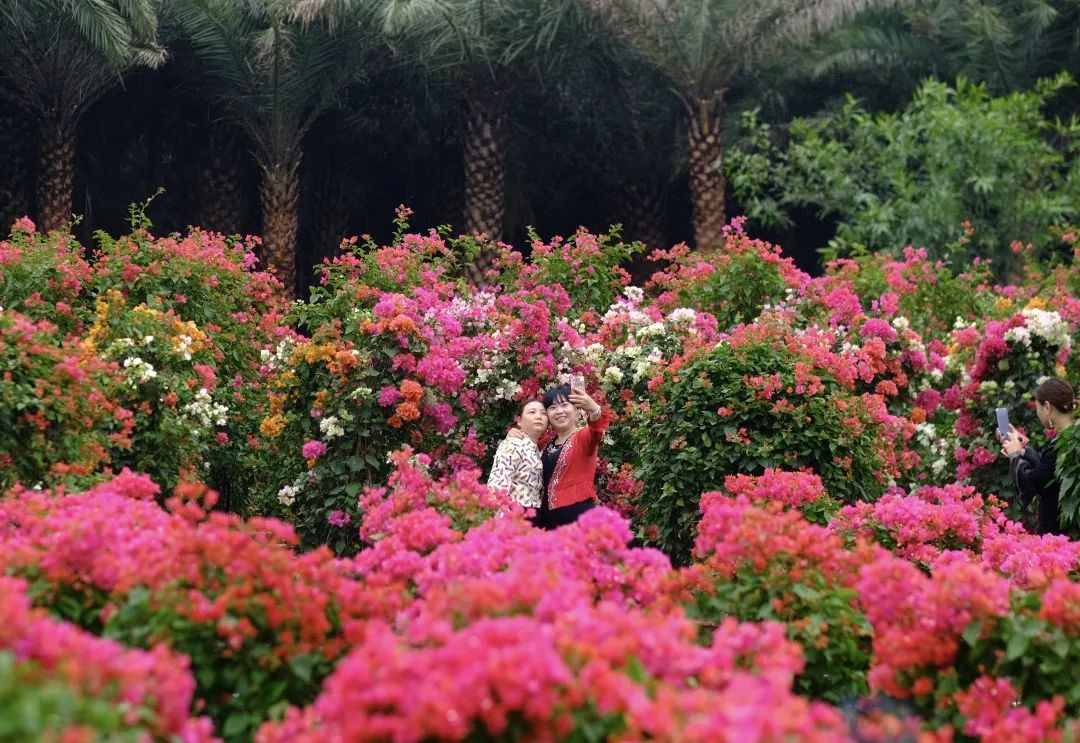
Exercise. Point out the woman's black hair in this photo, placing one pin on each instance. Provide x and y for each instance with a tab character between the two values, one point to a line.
556	394
1055	391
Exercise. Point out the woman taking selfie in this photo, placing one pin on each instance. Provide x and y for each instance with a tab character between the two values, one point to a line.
569	460
1034	471
517	468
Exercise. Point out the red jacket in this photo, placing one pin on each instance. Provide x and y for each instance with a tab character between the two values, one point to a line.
573	479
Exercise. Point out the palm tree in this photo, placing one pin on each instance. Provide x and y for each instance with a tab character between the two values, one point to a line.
1005	44
483	49
57	57
274	66
704	47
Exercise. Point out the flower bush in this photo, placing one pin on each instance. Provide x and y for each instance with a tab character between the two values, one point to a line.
814	456
261	624
60	683
163	335
765	397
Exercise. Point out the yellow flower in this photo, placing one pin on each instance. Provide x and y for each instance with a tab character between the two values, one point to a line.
1036	303
312	352
1002	304
285	379
272	426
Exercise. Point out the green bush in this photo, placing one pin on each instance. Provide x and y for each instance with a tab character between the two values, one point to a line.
742	410
912	177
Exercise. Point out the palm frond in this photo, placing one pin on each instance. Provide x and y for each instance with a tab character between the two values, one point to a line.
102	25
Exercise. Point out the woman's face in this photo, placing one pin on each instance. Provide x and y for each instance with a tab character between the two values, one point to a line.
1042	412
562	414
533	420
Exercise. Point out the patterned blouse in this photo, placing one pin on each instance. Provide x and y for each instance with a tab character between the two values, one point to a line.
518	470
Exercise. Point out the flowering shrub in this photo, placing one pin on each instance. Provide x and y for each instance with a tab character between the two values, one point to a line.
764	562
61	420
587	266
168	332
576	629
418	364
1000	366
929	293
60	683
853	544
734	285
920	526
261	625
764	398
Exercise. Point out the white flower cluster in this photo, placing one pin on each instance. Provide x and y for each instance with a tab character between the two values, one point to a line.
927	436
280	355
331	427
183	347
204	410
137	371
287	495
1047	325
682	316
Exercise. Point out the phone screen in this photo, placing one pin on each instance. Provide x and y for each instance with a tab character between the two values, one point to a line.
1003	421
577	382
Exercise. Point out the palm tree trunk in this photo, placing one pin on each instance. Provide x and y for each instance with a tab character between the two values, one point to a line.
485	176
707	181
57	170
643	220
220	188
279	193
485	167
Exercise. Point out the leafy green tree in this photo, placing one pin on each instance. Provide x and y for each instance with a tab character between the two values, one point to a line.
57	58
704	47
955	154
274	66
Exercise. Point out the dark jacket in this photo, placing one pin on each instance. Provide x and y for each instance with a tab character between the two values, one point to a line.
1033	473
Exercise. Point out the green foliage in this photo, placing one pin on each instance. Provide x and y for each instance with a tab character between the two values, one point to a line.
911	178
737	290
587	266
835	637
56	402
687	447
931	295
34	708
242	685
1067	471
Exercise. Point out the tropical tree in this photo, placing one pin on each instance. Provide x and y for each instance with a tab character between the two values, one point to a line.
1005	44
274	66
484	50
58	57
704	47
955	158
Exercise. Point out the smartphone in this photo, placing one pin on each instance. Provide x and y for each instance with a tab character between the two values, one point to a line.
577	382
1003	422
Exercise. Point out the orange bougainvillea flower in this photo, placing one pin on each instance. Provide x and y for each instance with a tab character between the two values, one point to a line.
407	411
412	392
918	415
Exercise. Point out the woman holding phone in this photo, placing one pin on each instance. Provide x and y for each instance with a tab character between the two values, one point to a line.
1034	471
569	460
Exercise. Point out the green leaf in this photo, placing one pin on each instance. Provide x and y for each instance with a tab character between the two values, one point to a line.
972	632
1017	646
302	666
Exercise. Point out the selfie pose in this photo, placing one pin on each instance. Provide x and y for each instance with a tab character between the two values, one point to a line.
1034	471
517	468
569	460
